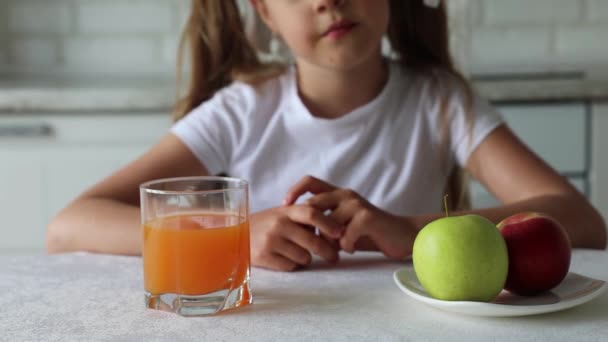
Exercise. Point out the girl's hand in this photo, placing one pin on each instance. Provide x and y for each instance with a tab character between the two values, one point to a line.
283	238
393	235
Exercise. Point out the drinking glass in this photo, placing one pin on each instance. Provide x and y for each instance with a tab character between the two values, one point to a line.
196	255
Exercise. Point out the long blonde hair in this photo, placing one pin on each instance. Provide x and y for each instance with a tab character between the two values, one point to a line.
220	52
419	35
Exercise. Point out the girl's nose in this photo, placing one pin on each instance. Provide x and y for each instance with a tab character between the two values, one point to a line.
325	5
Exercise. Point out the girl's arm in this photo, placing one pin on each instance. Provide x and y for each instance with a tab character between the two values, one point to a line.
524	182
514	174
106	218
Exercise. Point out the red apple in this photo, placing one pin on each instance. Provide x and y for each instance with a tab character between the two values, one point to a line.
539	252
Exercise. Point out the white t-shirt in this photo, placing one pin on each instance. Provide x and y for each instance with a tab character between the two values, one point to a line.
386	150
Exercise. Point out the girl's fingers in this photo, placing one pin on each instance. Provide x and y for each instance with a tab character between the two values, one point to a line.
352	234
325	201
307	184
365	243
343	214
309	216
278	262
350	215
340	198
306	238
293	252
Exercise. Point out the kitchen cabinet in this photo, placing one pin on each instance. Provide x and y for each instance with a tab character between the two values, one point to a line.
560	133
47	160
481	198
599	153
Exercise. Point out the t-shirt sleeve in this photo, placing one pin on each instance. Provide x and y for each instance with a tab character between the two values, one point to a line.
485	119
211	131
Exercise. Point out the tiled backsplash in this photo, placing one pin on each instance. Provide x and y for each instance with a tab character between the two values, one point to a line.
117	37
539	35
90	36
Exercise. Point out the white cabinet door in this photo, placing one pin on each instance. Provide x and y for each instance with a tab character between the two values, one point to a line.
556	132
22	205
599	167
481	198
69	171
46	161
37	181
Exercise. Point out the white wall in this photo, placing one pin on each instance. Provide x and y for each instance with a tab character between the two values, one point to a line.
539	35
140	36
89	36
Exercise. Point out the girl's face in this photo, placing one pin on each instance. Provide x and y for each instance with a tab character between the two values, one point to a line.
337	34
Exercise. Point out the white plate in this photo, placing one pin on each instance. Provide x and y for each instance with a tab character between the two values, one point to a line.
574	290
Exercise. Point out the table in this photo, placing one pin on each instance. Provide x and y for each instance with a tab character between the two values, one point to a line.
89	297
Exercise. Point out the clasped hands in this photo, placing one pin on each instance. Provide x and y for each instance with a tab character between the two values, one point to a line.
284	238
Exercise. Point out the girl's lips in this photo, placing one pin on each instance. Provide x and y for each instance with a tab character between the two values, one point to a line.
339	29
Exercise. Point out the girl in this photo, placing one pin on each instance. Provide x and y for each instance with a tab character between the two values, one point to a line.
376	141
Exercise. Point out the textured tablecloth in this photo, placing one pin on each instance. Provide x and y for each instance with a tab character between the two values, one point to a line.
87	297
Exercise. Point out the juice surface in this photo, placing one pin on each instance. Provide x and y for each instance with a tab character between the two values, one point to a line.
195	254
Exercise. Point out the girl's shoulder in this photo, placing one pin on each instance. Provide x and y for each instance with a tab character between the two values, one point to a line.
252	95
439	80
431	89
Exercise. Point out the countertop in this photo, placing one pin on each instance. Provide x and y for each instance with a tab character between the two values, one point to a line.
86	95
542	89
159	94
91	297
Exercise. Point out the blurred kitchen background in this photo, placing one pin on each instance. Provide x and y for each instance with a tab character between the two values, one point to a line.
87	85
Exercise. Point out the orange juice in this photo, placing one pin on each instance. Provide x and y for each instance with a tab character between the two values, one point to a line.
195	254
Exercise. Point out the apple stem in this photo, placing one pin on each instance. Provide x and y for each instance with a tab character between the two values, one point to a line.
445	205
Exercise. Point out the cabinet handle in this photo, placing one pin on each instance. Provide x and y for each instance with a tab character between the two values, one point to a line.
26	131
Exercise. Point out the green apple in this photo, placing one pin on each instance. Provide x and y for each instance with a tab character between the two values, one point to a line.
461	258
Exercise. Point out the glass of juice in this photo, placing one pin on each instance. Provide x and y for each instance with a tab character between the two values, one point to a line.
196	244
